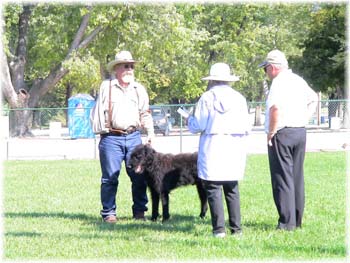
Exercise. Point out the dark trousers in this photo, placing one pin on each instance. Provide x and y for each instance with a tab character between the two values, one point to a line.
214	192
286	159
114	150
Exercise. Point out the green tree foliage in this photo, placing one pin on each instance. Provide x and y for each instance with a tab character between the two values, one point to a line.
324	50
166	47
242	35
84	72
37	60
175	44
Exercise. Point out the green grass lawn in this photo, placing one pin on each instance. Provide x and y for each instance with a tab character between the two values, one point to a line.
51	211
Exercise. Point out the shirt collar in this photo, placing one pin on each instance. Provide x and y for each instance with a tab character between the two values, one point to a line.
115	82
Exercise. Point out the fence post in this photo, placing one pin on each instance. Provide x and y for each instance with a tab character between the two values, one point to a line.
180	134
319	94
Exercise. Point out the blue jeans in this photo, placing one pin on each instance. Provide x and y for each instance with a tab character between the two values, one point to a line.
114	149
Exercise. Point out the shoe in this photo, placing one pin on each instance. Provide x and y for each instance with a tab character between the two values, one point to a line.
139	216
111	219
285	228
219	235
237	233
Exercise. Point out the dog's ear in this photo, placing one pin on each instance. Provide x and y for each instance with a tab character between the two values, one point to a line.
149	153
148	149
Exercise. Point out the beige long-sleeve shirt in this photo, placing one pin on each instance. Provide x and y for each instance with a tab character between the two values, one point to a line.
130	107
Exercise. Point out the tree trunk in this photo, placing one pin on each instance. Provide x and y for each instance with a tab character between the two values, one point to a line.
346	119
19	119
257	120
36	119
258	109
343	108
18	64
12	78
69	90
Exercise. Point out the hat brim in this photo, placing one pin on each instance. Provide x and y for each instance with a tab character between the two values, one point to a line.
218	78
112	64
263	64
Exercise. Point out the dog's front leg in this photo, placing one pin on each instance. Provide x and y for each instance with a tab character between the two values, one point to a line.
155	204
165	204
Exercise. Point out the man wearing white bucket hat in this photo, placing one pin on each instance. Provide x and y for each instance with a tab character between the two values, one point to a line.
122	108
221	116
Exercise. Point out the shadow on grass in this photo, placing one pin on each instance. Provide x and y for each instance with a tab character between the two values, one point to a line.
175	223
62	215
23	234
259	226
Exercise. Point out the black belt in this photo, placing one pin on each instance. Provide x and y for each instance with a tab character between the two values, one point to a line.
120	132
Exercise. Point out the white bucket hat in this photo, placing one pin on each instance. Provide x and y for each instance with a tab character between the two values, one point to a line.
221	72
121	57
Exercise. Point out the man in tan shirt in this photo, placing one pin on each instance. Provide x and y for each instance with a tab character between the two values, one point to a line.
121	110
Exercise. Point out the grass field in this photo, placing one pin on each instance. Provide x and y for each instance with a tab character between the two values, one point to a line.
51	212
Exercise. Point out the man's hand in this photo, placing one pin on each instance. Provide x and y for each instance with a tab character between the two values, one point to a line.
273	117
269	138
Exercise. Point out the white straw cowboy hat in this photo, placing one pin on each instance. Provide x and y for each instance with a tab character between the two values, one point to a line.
121	57
221	72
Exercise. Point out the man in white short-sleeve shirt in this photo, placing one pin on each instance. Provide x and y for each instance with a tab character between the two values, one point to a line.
289	105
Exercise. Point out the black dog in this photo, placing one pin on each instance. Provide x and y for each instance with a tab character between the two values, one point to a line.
165	172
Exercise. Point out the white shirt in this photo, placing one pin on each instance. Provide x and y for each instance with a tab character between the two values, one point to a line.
293	97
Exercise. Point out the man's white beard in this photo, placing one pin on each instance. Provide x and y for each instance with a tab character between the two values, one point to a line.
128	78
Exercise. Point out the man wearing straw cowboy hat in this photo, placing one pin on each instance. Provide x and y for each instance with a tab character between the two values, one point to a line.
121	109
221	116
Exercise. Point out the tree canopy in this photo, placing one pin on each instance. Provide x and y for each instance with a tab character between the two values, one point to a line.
55	50
324	50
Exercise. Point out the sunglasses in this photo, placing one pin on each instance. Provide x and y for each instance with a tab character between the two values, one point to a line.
127	66
265	68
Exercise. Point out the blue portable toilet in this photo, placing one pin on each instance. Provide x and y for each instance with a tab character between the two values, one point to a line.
79	108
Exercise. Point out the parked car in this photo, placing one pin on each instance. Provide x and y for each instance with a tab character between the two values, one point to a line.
161	120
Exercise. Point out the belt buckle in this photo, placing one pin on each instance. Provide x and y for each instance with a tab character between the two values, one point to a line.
118	132
130	130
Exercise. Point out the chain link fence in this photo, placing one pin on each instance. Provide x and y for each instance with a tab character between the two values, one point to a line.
43	120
